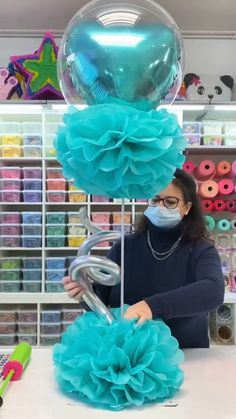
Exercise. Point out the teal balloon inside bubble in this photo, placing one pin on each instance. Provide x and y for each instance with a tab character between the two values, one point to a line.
116	52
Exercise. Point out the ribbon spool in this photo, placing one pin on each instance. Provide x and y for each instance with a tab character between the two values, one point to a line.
208	189
233	224
233	167
231	205
226	186
205	170
219	205
223	168
189	167
210	222
207	205
223	225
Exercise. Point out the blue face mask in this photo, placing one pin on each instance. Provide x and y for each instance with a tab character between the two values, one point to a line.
163	217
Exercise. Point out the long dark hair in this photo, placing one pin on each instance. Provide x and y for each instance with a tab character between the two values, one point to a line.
194	225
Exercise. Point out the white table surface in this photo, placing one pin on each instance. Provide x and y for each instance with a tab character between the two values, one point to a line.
209	391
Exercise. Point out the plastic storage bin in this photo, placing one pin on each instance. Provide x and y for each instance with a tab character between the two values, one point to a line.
55	241
193	139
49	339
32	217
32	196
10	217
54	173
100	198
7	340
31	286
10	172
56	196
7	327
11	184
10	262
10	241
55	263
54	286
11	133
32	262
51	316
26	337
101	217
32	172
10	274
32	229
10	229
76	230
8	316
76	196
55	275
27	316
32	151
76	241
74	218
70	314
32	133
10	286
55	217
55	229
9	151
31	241
10	196
116	216
56	184
32	184
27	327
32	274
50	328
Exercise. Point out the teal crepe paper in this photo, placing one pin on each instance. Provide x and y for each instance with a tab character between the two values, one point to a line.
120	151
119	365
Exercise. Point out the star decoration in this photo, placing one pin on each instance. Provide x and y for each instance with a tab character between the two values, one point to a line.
40	70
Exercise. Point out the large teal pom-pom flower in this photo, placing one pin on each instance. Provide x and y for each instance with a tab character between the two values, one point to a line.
119	365
120	151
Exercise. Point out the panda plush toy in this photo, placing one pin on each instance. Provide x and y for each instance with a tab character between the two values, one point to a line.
208	89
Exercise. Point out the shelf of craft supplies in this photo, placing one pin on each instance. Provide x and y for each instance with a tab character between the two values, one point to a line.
47	112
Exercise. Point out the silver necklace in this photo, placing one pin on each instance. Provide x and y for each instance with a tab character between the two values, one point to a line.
164	255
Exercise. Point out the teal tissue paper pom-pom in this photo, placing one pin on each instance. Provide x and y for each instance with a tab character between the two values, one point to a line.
119	365
120	151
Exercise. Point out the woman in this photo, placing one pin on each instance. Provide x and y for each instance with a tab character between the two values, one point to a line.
172	271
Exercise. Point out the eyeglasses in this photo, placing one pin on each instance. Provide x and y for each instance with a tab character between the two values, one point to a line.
170	202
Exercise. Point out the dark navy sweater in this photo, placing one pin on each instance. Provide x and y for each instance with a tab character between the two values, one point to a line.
180	290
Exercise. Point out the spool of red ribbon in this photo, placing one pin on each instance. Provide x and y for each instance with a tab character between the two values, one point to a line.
231	205
207	205
219	205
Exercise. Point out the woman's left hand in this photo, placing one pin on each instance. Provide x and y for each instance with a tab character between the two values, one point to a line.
140	310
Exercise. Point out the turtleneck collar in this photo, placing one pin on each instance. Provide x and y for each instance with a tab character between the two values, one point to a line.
164	235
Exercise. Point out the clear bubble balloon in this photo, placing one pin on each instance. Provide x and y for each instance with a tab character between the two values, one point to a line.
116	52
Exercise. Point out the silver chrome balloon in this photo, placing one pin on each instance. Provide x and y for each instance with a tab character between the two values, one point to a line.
86	268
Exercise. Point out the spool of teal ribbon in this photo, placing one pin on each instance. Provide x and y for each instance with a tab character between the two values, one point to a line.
210	222
223	225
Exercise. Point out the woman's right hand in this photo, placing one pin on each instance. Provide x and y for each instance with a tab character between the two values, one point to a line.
72	288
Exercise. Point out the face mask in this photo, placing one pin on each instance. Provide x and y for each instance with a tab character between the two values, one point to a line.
162	216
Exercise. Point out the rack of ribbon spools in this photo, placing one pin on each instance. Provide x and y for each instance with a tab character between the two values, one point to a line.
216	189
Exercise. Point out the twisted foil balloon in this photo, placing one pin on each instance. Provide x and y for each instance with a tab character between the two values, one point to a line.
86	268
